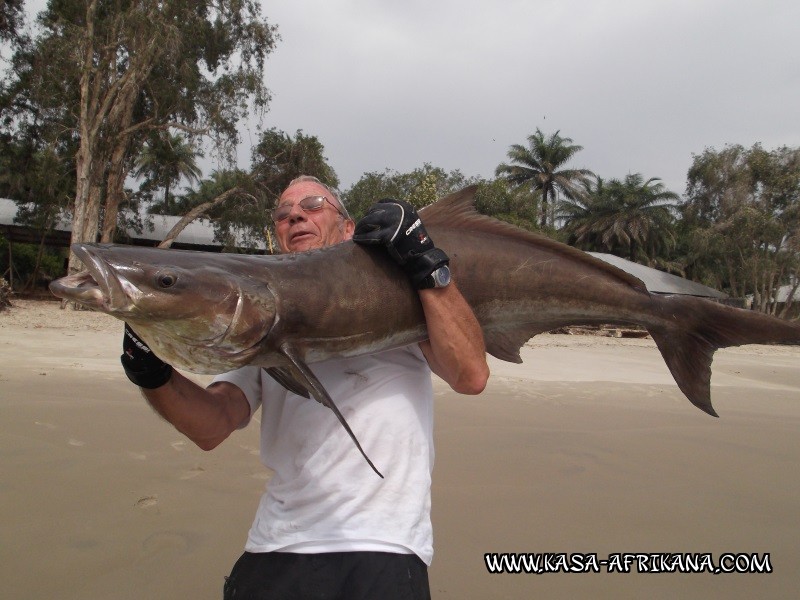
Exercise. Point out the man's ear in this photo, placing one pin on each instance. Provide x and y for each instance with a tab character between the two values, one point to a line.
349	228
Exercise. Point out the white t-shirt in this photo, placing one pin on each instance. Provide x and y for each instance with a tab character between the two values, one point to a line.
324	497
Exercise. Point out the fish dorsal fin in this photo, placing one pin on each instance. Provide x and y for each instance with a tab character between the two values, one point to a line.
457	211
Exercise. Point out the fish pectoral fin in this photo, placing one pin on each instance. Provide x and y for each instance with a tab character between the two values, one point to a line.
505	343
284	376
302	375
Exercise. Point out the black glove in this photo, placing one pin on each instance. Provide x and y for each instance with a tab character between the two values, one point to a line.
396	225
141	364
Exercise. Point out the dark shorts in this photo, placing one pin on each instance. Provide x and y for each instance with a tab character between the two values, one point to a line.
328	576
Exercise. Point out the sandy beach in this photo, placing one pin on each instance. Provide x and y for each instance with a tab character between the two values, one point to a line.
588	447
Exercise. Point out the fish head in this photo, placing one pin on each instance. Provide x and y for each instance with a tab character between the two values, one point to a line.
192	308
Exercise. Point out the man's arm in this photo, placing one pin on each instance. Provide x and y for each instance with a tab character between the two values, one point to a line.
205	416
455	349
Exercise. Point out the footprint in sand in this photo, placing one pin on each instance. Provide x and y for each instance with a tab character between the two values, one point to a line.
146	501
192	473
167	541
250	449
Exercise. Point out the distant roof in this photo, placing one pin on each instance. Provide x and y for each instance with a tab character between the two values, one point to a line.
659	282
199	234
781	295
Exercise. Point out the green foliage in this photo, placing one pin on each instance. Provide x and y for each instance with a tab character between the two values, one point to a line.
420	187
278	159
30	268
238	223
631	218
107	73
426	184
495	199
541	166
11	20
165	159
742	220
40	178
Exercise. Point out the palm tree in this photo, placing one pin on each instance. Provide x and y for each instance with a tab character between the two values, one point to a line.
629	216
164	160
580	216
541	166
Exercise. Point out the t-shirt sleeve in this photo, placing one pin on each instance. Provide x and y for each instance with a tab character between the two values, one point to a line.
247	379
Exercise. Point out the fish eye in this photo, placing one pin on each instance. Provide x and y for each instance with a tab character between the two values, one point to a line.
166	279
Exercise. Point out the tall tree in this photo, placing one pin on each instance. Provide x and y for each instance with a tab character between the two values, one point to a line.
165	159
42	180
278	158
421	186
236	206
631	217
541	166
11	20
109	71
743	212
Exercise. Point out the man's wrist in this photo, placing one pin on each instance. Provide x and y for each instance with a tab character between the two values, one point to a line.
420	269
151	378
439	278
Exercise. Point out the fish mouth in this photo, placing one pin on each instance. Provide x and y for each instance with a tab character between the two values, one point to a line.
98	287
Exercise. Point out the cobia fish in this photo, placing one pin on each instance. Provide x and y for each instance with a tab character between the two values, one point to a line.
210	312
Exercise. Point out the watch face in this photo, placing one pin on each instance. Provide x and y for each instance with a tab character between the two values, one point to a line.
441	276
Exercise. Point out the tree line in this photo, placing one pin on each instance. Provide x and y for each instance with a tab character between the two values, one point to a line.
106	107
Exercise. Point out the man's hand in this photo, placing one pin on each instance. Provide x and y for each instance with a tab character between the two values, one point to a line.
141	364
396	225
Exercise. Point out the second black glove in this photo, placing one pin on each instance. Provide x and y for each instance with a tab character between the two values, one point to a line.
396	225
141	364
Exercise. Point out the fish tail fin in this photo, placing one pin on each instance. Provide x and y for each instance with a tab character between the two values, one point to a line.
694	328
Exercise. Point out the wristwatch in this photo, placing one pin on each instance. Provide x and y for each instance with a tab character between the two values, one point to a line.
437	279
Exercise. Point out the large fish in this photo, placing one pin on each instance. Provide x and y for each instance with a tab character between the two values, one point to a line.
210	312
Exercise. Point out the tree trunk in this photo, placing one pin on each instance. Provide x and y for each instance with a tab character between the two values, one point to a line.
81	198
790	299
543	220
114	191
167	209
37	265
87	141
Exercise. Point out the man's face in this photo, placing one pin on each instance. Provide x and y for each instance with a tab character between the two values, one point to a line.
303	230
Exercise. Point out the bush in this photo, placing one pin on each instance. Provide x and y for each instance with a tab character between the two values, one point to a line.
24	259
5	295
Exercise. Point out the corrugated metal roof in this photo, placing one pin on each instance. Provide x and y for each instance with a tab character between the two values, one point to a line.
199	232
659	282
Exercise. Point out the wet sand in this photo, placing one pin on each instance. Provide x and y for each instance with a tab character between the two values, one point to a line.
588	447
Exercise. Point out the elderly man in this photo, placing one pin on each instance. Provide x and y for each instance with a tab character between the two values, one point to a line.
326	526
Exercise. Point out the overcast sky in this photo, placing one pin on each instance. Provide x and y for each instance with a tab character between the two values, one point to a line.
640	84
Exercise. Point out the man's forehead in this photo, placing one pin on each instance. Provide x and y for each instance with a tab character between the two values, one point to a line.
300	190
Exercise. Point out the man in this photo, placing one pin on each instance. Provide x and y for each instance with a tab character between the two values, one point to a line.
327	525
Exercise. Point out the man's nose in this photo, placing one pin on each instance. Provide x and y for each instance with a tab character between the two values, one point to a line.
297	214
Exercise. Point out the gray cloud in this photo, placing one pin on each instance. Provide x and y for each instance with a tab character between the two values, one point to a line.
641	85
